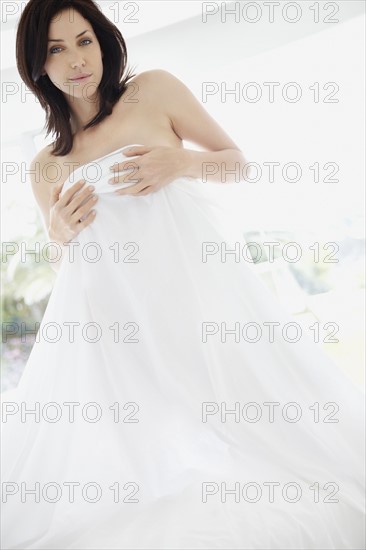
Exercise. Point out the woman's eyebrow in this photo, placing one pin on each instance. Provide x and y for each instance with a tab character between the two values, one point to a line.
60	39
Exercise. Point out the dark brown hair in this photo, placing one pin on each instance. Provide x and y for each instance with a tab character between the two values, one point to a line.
31	54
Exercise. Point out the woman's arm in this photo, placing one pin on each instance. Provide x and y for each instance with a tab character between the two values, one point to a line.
42	192
223	161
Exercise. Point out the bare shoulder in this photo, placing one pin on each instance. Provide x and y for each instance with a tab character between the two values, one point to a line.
156	78
153	75
158	82
164	93
46	167
42	158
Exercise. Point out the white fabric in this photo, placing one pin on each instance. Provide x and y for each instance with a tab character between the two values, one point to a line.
168	370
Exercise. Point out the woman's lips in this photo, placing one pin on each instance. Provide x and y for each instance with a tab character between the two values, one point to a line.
80	78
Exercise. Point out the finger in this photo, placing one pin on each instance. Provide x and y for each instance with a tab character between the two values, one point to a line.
145	191
79	199
117	166
55	193
68	195
130	177
124	165
137	150
131	190
87	221
81	210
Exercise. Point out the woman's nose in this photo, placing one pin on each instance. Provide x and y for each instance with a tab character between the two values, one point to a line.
78	63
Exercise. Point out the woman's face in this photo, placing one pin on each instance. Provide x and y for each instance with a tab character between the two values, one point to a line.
69	55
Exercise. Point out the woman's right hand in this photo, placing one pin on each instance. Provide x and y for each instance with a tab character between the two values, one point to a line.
67	211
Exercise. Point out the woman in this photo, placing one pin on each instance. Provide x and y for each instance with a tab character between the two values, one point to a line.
106	113
146	416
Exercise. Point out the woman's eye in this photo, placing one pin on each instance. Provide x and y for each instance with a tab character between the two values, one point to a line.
52	50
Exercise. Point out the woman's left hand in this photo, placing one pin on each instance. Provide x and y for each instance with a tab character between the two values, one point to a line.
154	168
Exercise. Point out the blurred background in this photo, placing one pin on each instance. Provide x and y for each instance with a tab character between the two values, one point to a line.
316	200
